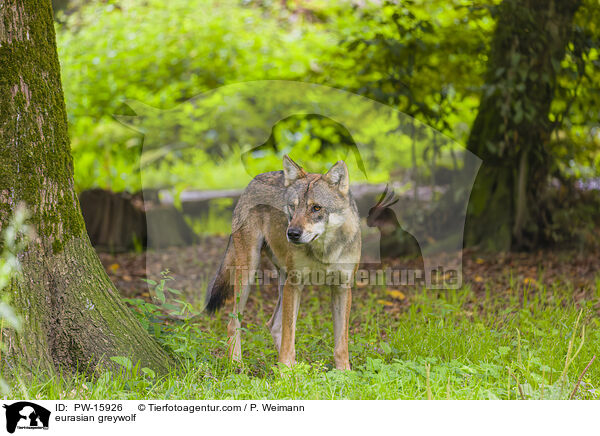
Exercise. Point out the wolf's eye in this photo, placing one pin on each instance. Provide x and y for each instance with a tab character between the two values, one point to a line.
316	208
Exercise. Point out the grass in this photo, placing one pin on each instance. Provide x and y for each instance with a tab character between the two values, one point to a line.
530	343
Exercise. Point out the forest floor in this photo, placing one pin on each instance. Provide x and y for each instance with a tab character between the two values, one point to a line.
504	275
522	326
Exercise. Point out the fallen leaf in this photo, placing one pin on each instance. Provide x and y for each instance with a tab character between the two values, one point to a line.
385	303
398	295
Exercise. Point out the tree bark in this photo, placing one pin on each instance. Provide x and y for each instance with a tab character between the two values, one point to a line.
73	317
512	129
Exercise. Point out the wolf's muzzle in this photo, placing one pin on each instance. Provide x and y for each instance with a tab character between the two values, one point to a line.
294	234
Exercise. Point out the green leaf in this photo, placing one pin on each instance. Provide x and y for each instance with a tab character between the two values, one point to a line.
149	372
125	362
160	294
386	348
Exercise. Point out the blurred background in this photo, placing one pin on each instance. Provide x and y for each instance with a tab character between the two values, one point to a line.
516	83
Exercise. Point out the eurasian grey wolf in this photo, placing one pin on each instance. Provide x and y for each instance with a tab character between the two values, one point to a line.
308	225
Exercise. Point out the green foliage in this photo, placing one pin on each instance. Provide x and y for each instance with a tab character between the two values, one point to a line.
216	221
112	51
576	107
166	303
531	344
125	362
115	51
433	60
423	59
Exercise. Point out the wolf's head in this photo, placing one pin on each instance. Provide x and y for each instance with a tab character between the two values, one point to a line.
314	202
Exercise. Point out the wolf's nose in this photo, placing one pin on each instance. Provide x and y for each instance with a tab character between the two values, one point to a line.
294	234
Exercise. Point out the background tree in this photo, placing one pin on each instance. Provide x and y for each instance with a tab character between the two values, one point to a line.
512	130
72	314
517	82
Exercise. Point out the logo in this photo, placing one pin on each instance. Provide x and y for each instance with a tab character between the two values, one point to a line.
26	415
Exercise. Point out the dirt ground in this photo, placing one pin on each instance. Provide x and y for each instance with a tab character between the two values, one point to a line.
193	267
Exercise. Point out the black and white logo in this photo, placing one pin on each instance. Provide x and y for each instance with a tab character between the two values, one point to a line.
26	415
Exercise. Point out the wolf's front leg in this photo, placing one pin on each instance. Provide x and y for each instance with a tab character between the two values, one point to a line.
274	324
289	308
341	299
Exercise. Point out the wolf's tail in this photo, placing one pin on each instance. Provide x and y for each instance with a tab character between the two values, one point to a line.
220	288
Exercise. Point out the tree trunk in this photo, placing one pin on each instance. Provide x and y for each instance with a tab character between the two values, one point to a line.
512	128
72	314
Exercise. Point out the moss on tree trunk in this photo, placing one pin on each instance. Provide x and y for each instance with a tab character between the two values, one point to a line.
73	315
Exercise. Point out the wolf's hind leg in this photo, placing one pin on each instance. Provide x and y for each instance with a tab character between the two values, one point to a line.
247	259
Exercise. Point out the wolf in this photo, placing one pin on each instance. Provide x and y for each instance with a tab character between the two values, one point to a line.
308	225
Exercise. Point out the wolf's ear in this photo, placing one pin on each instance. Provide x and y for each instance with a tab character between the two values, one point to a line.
291	170
338	175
